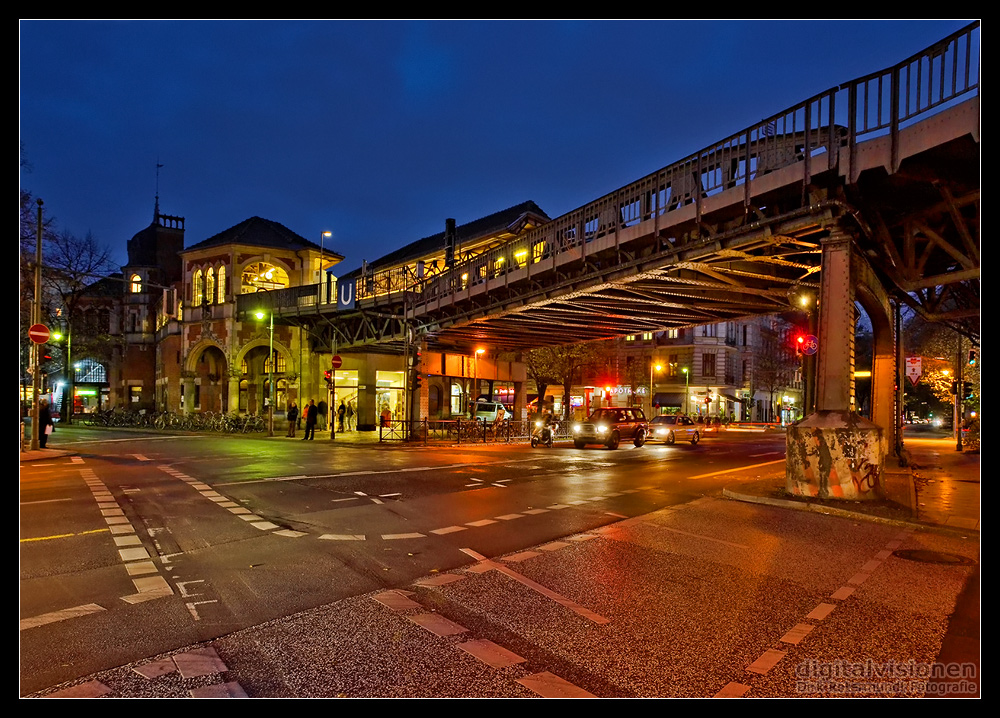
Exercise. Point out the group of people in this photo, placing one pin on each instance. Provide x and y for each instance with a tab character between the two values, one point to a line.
313	414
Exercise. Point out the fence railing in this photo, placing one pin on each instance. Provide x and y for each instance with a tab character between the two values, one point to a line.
462	431
814	133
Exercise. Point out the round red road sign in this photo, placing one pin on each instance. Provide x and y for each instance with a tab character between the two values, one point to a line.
335	362
38	333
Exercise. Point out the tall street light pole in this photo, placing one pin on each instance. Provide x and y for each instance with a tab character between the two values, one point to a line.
657	367
322	273
270	374
36	311
687	387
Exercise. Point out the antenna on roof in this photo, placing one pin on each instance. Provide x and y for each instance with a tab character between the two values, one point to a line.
156	202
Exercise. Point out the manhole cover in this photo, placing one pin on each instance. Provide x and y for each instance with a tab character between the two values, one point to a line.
933	557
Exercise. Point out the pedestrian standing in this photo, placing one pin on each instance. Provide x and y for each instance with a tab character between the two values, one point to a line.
312	413
321	416
293	417
350	416
45	425
341	415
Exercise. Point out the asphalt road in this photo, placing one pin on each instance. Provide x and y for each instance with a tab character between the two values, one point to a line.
144	545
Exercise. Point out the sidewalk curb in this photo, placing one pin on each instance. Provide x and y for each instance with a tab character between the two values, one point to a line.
814	507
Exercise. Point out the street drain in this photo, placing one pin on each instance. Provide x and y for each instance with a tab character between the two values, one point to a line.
933	557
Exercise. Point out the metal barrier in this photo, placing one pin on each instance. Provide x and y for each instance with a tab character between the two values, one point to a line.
464	431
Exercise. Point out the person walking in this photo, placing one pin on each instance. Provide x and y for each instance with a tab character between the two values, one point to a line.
341	415
312	413
45	425
293	416
350	416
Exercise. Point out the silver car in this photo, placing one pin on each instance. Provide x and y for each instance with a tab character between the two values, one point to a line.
669	429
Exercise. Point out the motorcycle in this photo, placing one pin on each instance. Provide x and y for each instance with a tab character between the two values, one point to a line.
543	434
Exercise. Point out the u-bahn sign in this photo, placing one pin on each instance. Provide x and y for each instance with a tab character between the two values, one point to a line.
345	294
38	333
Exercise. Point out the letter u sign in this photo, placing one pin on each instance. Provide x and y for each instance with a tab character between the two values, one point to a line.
345	294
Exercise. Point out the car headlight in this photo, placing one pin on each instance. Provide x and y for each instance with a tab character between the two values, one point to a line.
538	425
601	428
576	428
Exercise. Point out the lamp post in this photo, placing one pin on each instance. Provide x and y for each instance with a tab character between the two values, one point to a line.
687	386
270	374
322	275
475	380
657	367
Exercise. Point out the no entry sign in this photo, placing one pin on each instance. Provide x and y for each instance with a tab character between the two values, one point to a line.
38	333
335	362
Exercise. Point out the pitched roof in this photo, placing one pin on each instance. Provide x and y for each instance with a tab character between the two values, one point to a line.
476	229
258	232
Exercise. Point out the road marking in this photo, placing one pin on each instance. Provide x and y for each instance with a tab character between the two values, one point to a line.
573	606
193	608
60	536
62	615
392	537
343	537
738	468
549	685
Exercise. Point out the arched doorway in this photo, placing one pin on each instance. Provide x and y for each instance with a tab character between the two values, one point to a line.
211	372
256	371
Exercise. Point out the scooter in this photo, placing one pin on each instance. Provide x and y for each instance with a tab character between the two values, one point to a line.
543	434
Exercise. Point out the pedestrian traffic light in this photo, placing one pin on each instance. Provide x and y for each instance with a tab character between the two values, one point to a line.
800	342
417	382
972	357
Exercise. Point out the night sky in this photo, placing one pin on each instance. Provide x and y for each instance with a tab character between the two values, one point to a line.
379	131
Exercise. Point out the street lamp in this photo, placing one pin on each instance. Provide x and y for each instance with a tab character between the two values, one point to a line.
475	379
322	274
687	386
657	367
270	374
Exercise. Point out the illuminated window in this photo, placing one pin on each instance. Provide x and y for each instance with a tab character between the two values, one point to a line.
537	251
647	336
671	334
222	284
261	276
630	338
198	294
136	284
210	285
278	360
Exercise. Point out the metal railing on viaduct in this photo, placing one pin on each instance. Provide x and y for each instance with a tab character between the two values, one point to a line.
819	135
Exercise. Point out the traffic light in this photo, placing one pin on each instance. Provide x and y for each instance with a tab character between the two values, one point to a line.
800	341
972	357
328	376
966	389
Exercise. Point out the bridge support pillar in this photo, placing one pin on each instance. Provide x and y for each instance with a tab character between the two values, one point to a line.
835	453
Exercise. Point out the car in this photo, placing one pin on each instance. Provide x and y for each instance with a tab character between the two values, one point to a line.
610	427
669	429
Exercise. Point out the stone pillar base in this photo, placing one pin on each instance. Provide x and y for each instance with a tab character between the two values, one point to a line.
835	455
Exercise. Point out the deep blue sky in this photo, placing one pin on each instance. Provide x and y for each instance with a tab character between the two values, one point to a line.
379	131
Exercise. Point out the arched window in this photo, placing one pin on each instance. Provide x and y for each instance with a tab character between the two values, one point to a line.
222	284
260	276
210	285
136	284
198	294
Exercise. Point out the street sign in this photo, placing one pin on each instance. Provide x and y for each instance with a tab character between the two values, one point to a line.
335	362
810	345
913	369
38	333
